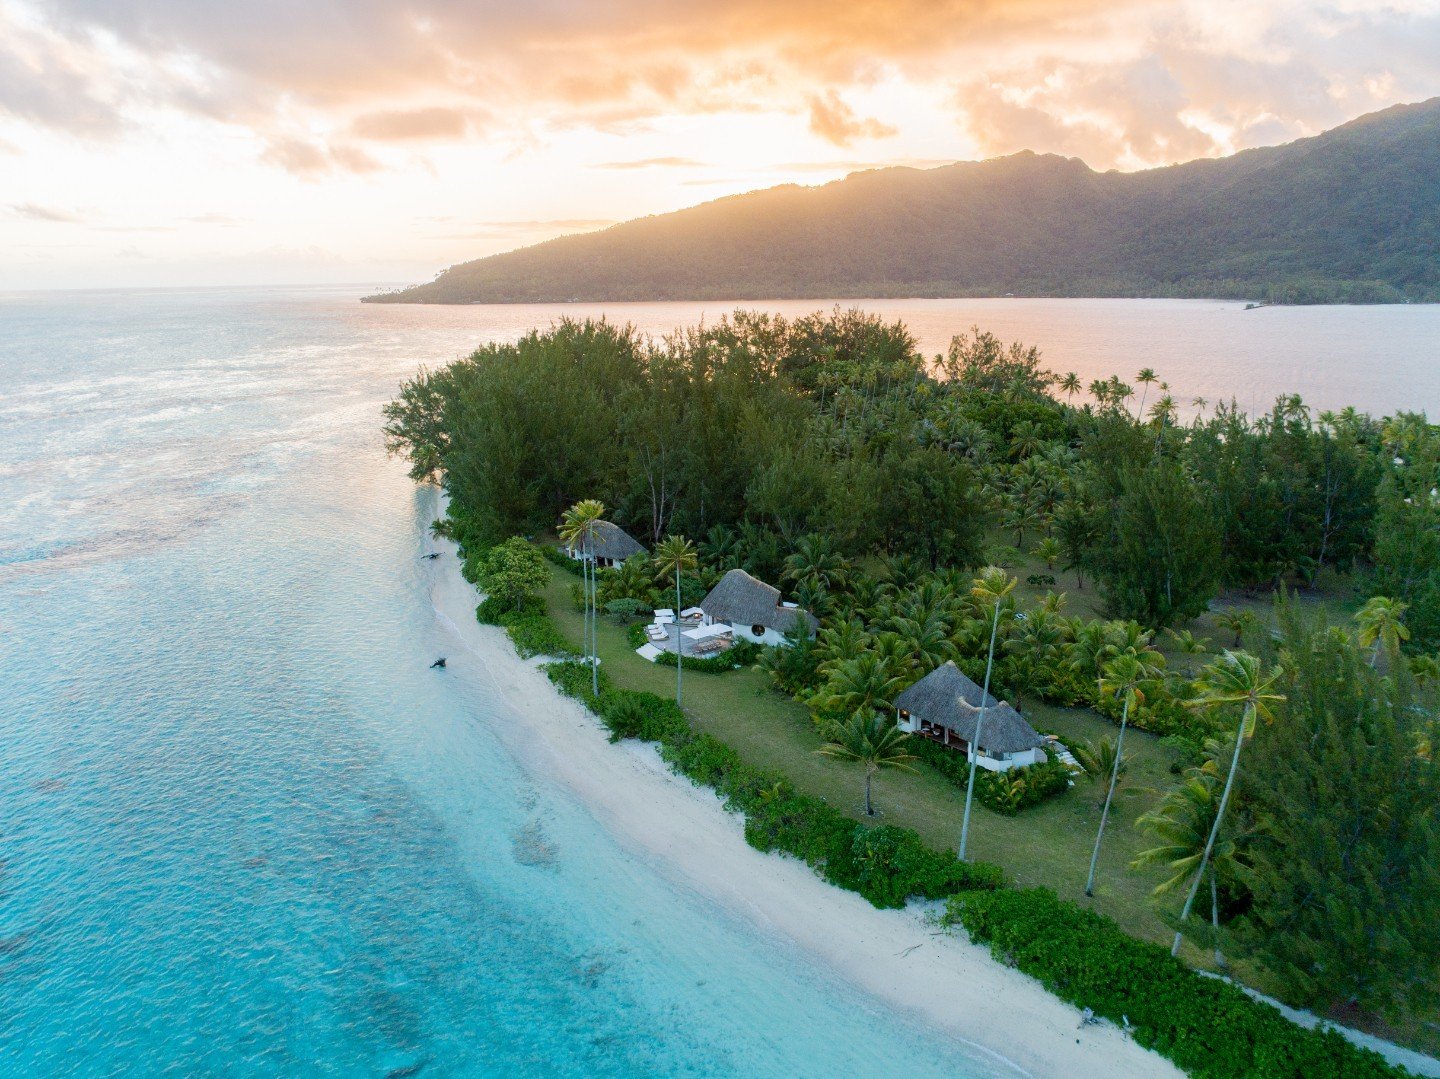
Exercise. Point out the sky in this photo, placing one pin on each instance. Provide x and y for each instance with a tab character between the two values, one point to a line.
209	142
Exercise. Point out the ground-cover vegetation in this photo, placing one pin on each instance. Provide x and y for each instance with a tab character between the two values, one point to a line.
824	456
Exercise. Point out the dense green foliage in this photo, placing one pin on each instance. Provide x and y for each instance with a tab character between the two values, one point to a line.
1206	1026
1344	863
1347	217
825	457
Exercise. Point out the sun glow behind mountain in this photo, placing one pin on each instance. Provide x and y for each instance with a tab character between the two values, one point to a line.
189	141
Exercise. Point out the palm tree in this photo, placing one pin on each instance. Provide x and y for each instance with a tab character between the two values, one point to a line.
1238	623
1381	625
1425	670
1236	678
1070	386
676	554
1145	378
991	587
1125	677
815	562
875	741
1191	645
579	527
1182	823
1049	552
859	687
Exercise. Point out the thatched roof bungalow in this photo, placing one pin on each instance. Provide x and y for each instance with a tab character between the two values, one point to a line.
610	545
753	609
945	706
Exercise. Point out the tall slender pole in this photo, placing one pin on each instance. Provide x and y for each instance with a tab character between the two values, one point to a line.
1214	830
979	726
1105	813
679	637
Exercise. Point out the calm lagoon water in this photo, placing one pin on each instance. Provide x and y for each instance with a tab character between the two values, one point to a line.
246	831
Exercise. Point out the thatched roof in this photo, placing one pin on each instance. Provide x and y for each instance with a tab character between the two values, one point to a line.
610	541
741	600
947	698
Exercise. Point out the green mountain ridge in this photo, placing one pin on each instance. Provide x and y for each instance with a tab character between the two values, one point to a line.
1350	215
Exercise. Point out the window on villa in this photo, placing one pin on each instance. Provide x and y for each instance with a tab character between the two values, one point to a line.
758	631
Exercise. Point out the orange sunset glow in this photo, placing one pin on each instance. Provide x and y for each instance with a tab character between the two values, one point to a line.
185	141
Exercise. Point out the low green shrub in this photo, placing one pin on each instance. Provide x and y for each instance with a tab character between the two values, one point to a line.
527	624
888	865
536	635
632	714
636	635
561	559
740	654
572	678
1005	792
1205	1026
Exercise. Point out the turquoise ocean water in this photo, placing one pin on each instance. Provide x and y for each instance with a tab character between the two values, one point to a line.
244	830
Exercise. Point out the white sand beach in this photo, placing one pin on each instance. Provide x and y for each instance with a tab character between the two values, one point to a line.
684	833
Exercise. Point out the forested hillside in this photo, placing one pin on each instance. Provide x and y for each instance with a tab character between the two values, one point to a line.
1352	215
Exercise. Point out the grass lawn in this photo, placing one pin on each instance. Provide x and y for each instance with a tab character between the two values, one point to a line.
1048	844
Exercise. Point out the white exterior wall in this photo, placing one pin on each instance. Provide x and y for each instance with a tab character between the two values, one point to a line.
991	764
770	637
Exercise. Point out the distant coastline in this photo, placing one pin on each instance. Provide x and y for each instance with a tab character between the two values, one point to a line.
1348	216
1347	293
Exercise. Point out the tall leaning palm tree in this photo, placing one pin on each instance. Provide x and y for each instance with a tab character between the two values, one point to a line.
1146	377
873	740
1381	626
1235	678
578	528
991	588
1125	678
1070	386
676	555
1181	824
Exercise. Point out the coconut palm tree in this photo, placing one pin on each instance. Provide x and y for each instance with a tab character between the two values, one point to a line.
1235	678
1182	823
989	590
1146	377
873	740
676	554
815	562
1425	670
1125	678
1070	386
860	687
1381	626
1049	552
578	528
1189	644
1238	623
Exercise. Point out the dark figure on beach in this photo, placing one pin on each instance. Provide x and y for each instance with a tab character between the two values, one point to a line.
438	663
433	554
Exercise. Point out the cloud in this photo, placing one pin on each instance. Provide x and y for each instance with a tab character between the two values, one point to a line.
34	212
491	229
1124	82
312	160
653	163
431	125
1204	83
835	121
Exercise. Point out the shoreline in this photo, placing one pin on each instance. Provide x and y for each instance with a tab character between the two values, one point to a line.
684	832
